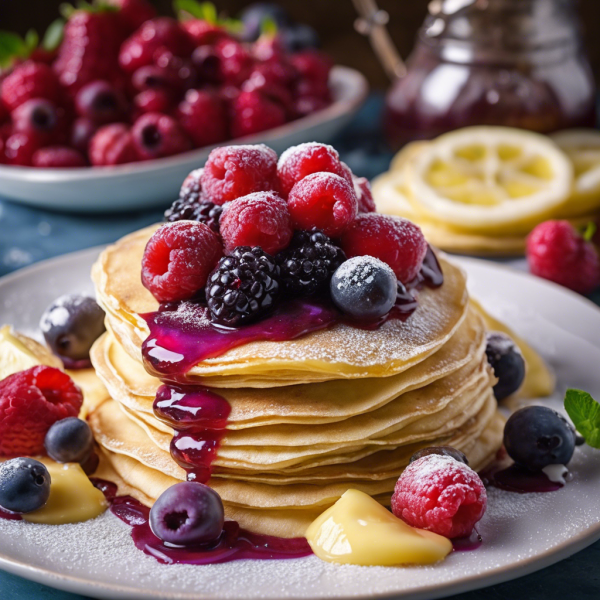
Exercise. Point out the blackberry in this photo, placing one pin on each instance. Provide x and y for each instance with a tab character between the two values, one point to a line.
188	209
244	285
309	262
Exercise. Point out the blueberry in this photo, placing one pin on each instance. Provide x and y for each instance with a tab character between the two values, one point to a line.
507	362
69	440
71	324
537	436
253	16
186	514
442	451
364	287
24	485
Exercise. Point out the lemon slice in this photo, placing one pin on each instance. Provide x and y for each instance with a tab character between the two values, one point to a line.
483	178
390	195
582	146
407	154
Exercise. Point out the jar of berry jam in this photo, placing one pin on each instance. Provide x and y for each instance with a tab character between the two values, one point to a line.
518	63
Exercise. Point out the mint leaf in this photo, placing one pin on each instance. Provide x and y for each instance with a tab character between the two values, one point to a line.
54	35
585	414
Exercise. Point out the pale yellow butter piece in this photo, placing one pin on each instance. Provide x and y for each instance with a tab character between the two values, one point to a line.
358	530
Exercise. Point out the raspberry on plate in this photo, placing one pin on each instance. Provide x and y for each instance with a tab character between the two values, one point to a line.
440	494
31	402
253	112
178	259
112	145
297	162
325	201
362	188
58	157
29	80
156	135
234	171
557	252
203	116
258	219
397	242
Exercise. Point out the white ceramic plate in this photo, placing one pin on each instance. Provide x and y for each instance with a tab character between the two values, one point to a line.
521	532
152	183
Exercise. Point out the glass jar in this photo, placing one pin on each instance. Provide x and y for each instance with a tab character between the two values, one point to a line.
518	63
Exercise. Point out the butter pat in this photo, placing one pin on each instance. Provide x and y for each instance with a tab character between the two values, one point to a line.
357	530
72	499
18	353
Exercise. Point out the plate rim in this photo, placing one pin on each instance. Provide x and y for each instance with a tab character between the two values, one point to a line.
550	556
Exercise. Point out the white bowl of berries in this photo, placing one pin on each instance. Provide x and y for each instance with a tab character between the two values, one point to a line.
129	103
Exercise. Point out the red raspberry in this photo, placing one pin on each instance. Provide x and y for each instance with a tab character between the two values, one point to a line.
4	114
235	62
153	77
156	135
440	494
152	101
299	161
133	13
31	402
58	157
90	49
397	242
20	147
312	65
178	260
234	171
325	201
140	48
556	251
40	118
274	90
112	145
185	73
191	188
204	33
29	80
253	112
202	114
362	187
82	132
101	102
258	219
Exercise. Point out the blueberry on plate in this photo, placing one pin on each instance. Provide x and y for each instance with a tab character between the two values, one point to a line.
364	288
71	324
24	485
507	362
537	436
186	514
69	440
441	451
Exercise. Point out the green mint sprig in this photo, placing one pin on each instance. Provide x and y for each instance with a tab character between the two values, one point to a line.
585	414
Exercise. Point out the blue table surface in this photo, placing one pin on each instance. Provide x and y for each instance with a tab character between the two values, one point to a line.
28	235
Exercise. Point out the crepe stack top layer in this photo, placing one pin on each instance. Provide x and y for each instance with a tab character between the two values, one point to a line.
309	418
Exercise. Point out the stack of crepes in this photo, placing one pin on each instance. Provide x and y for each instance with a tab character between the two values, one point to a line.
481	190
310	418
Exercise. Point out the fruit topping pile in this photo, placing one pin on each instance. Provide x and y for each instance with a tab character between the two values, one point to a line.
124	85
250	230
439	492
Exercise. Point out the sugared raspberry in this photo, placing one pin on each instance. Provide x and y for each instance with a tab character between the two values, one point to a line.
112	145
440	494
30	402
90	49
157	101
258	219
29	80
178	259
305	159
41	118
234	171
20	147
191	188
325	201
557	252
133	13
140	48
58	157
156	135
82	131
101	102
362	188
203	116
253	112
397	242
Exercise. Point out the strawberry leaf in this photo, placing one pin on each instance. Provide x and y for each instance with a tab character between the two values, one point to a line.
12	46
184	9
54	35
